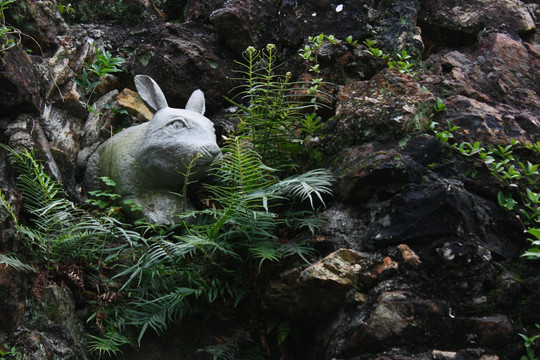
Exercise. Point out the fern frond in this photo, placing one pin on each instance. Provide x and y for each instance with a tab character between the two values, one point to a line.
304	220
157	313
109	344
224	351
265	250
306	186
304	251
12	261
32	173
6	205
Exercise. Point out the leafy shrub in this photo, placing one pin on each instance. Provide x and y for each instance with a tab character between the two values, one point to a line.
280	115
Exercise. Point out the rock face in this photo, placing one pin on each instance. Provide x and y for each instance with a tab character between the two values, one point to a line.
417	258
148	161
389	106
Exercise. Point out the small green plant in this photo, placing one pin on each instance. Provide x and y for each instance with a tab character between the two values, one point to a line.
439	105
350	41
6	41
443	135
530	342
9	353
534	251
373	50
103	198
66	10
401	61
92	74
311	49
402	64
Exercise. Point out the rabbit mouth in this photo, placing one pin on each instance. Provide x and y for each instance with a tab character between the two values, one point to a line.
209	155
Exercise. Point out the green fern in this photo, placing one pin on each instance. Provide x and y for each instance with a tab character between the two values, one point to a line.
314	183
109	344
156	313
15	263
274	116
192	264
59	231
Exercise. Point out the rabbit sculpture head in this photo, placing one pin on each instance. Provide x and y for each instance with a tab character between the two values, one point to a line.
173	137
147	161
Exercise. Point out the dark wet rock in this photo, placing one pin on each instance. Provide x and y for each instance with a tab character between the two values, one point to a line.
367	329
391	105
395	27
363	169
455	22
344	227
19	89
41	23
12	285
244	23
201	10
311	18
43	328
183	58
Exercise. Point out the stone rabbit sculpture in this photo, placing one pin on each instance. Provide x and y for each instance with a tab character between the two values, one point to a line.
146	161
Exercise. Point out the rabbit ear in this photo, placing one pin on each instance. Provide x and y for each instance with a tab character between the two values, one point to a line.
196	102
150	92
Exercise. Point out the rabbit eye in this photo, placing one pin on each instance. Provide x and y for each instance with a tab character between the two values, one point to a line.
178	124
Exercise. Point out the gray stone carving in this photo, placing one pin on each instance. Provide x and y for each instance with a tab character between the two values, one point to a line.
146	161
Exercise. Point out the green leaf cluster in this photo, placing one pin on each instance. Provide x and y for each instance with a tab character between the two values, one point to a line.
521	178
6	40
277	115
209	261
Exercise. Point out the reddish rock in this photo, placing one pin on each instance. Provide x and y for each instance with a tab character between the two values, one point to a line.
390	106
409	256
457	22
385	266
492	94
491	331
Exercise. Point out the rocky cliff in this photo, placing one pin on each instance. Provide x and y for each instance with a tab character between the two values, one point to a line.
418	259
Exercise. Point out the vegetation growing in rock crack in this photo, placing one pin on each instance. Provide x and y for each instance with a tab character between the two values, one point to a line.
280	115
520	180
6	33
148	277
93	74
